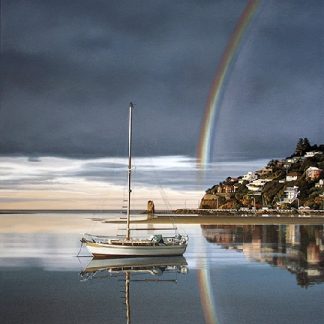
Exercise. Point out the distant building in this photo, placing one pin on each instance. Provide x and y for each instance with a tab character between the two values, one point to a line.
313	173
290	195
287	165
258	184
250	176
292	176
312	153
226	188
264	171
319	184
294	159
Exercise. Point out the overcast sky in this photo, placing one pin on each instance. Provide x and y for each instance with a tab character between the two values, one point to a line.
70	68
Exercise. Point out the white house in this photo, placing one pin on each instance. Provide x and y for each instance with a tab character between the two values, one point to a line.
319	184
260	182
290	195
250	176
292	176
257	185
294	159
312	153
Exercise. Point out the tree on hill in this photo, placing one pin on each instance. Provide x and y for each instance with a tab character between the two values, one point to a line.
302	146
271	190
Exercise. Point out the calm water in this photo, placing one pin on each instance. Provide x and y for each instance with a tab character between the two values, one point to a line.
230	274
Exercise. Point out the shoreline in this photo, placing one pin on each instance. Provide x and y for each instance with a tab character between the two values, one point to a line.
57	211
253	212
185	211
74	224
235	220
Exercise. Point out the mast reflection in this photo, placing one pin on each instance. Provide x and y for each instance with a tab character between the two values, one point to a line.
151	266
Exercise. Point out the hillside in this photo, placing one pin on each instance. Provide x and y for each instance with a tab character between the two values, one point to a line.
293	182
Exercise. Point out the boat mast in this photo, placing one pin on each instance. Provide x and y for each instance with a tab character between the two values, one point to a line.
129	168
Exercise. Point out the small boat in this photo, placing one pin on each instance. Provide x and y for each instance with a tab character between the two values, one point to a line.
156	245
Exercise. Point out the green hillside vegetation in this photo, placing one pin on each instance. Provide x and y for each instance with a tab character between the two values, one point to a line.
284	184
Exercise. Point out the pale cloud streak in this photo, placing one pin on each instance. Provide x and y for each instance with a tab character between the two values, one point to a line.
62	183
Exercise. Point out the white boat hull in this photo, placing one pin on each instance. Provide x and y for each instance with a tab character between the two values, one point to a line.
105	250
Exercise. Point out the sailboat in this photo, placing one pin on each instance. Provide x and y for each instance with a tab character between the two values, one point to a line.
157	245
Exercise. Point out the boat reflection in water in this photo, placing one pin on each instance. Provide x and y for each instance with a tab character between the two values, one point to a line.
152	266
296	248
146	265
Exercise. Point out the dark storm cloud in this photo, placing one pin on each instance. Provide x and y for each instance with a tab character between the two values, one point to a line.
69	70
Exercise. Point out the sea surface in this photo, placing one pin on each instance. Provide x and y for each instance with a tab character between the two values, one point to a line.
229	274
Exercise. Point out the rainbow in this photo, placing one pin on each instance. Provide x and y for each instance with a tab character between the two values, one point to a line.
213	103
206	296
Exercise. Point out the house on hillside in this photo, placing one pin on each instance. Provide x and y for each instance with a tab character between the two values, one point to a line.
292	176
319	184
312	153
290	195
287	165
226	188
313	173
294	159
250	176
264	171
258	184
